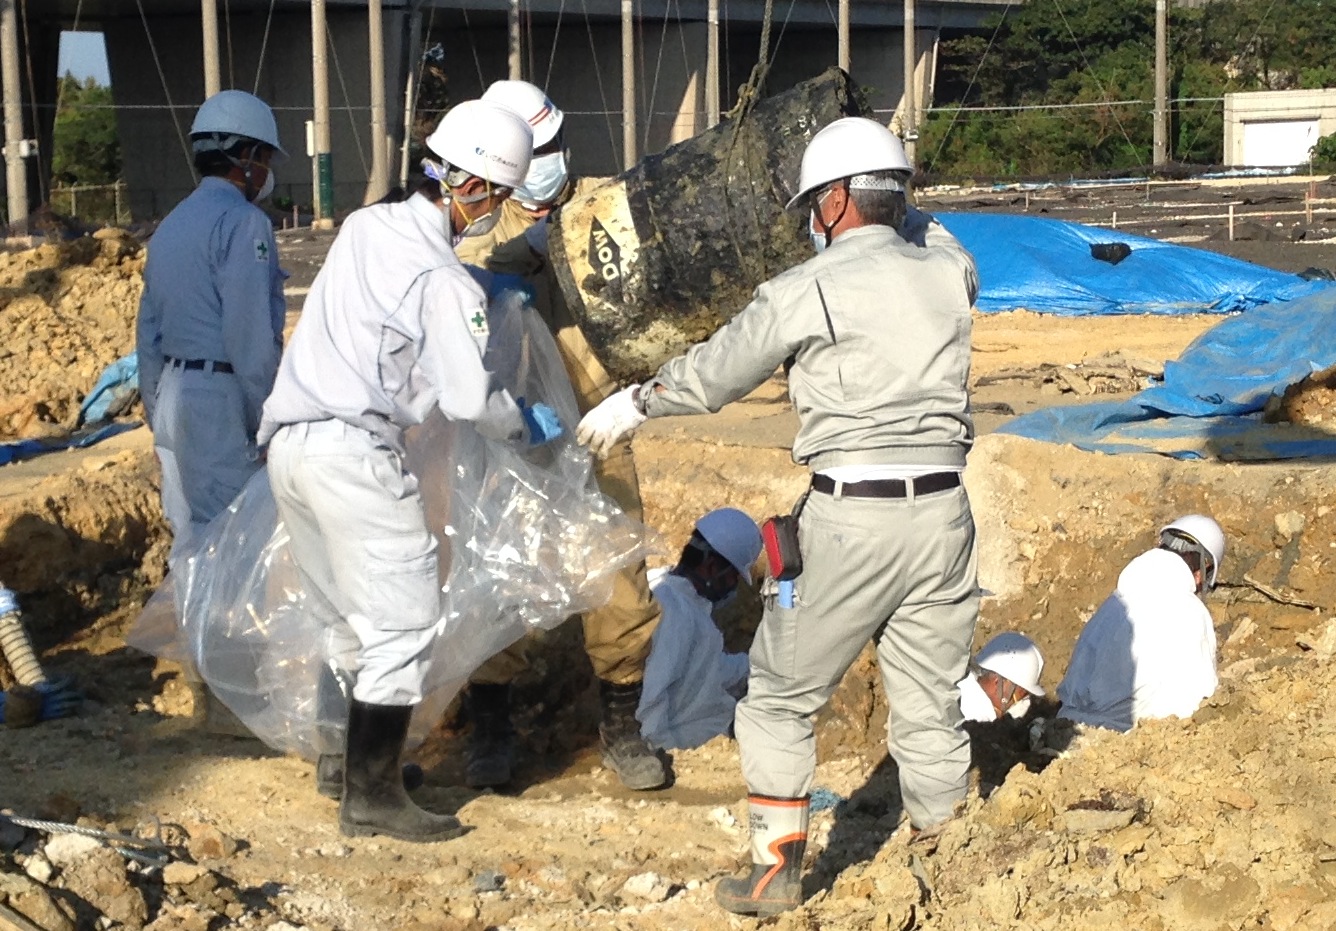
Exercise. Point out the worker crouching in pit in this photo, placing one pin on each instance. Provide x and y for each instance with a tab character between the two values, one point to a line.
1149	651
691	684
874	332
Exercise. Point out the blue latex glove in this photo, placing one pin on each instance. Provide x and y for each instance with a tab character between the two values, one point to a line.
60	699
543	423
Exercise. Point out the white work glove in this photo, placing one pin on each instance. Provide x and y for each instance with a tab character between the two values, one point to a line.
536	237
611	421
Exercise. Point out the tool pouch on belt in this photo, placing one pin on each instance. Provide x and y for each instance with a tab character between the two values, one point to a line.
780	536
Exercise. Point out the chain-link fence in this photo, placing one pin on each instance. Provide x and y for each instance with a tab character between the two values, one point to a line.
102	203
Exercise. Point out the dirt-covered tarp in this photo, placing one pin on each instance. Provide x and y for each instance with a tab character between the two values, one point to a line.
1213	400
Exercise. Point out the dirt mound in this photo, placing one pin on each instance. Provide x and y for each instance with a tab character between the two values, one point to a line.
68	310
83	548
1311	402
1221	821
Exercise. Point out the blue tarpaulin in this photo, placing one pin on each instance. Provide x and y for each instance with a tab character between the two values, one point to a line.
26	449
115	390
1210	402
1045	265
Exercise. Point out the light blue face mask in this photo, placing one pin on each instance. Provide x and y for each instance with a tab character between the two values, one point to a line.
819	239
546	179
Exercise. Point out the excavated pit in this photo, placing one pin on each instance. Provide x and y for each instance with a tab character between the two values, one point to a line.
1218	822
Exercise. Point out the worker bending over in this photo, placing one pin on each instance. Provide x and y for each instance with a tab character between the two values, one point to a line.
1149	651
394	326
617	635
874	332
691	685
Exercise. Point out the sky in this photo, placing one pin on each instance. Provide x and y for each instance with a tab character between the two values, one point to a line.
85	55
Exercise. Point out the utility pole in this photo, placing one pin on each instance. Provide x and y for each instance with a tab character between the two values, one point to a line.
842	55
411	87
1160	150
515	62
909	119
16	172
712	62
213	72
379	182
629	157
324	161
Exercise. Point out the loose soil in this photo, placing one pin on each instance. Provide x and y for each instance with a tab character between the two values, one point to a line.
1222	821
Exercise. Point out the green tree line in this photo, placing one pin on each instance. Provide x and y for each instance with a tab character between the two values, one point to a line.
85	148
1093	52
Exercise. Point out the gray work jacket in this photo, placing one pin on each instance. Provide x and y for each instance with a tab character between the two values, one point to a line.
875	333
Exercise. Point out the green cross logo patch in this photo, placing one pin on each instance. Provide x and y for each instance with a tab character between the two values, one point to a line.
478	324
261	251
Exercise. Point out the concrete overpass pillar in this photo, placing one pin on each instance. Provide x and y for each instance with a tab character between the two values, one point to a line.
213	79
16	170
323	178
378	184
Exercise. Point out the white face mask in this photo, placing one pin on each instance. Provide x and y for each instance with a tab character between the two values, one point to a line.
546	179
1018	710
266	189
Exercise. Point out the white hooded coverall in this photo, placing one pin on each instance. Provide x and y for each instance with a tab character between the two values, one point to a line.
1148	652
393	327
691	684
209	337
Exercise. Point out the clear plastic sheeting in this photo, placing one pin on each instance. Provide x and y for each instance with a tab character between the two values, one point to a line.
526	540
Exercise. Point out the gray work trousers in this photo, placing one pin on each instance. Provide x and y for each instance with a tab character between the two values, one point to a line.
358	534
206	451
902	571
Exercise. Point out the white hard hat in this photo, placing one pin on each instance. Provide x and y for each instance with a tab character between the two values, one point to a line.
530	102
236	113
850	146
1014	657
733	535
485	139
1206	533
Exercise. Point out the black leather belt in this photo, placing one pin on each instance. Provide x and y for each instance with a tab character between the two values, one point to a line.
888	487
198	365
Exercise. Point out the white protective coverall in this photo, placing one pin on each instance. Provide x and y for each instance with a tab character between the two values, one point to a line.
209	337
691	685
1148	652
394	326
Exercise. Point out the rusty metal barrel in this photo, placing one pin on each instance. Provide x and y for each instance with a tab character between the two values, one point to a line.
665	253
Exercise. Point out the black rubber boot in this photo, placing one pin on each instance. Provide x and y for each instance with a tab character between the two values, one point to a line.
374	798
625	752
491	757
778	842
329	775
333	690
